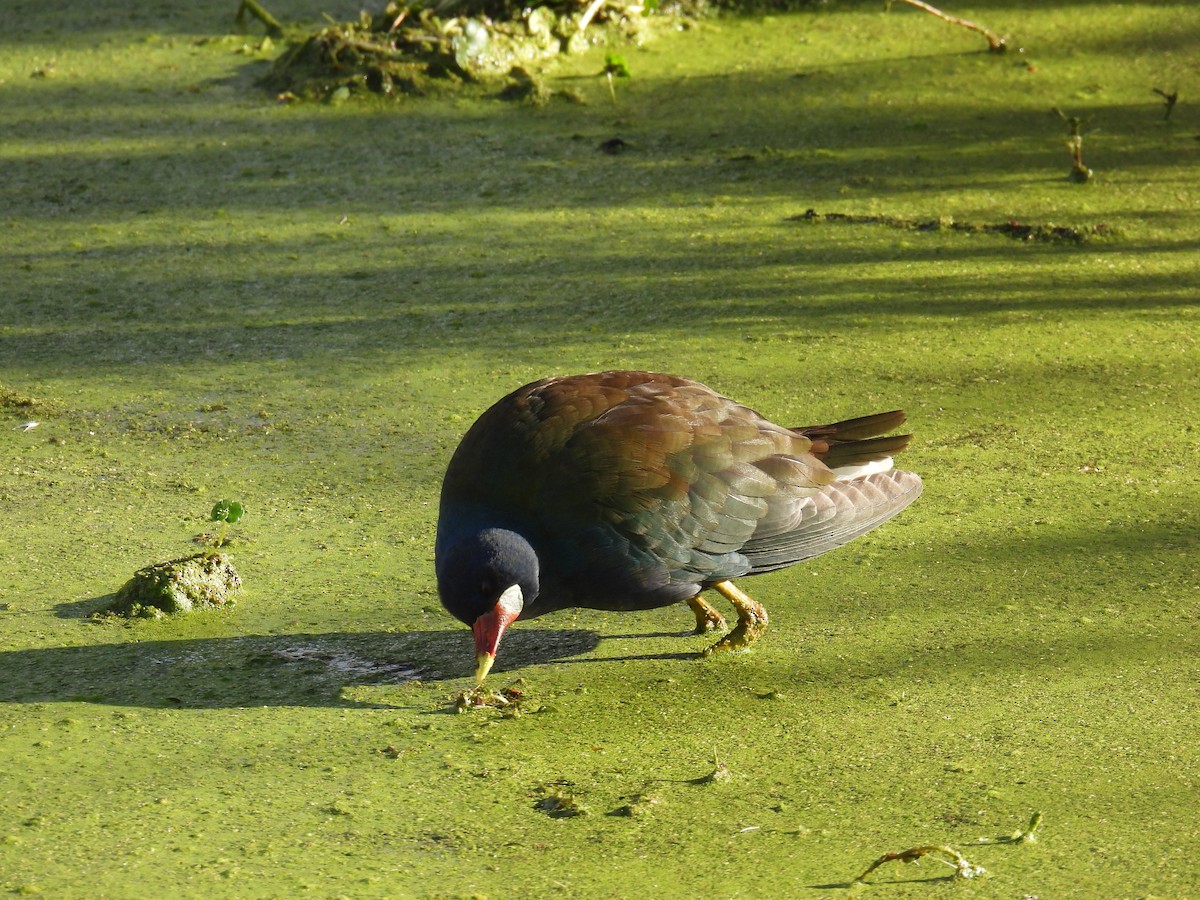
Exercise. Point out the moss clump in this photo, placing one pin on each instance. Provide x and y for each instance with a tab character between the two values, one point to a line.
177	586
24	404
559	805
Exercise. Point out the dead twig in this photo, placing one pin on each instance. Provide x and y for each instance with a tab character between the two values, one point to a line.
590	13
1080	173
1168	99
274	29
996	44
963	868
948	856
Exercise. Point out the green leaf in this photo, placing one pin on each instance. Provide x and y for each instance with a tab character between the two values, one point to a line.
227	511
614	64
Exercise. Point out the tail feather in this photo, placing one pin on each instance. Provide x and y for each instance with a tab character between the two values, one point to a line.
856	442
856	429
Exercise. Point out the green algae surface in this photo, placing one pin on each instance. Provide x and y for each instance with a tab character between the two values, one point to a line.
207	294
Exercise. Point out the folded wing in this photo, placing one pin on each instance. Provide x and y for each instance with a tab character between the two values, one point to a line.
799	527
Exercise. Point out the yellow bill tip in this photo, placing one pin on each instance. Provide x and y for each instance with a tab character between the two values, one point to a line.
483	665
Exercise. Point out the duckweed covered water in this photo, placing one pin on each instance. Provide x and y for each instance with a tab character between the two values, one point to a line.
207	294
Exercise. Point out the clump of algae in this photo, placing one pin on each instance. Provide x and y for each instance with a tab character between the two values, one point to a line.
204	580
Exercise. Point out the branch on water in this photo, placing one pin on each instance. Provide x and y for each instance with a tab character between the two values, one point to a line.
963	868
996	44
274	29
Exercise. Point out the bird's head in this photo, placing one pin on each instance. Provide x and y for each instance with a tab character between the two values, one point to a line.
485	580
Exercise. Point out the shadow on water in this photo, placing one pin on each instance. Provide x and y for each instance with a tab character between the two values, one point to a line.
881	883
314	670
262	670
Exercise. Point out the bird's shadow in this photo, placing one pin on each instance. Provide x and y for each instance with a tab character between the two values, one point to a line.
646	635
278	669
261	669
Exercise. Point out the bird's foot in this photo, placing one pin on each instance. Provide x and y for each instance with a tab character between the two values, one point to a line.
745	633
707	618
752	620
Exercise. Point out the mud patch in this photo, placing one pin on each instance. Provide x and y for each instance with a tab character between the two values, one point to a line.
346	665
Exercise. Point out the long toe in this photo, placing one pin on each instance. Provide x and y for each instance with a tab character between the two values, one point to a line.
752	620
707	618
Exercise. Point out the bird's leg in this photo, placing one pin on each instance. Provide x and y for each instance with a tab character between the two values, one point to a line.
752	620
707	618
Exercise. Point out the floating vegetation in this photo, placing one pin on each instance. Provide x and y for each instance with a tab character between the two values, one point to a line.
1020	231
560	805
178	586
508	701
226	512
410	47
23	404
615	67
1027	835
413	46
10	399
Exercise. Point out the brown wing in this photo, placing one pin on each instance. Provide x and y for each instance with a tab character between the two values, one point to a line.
679	477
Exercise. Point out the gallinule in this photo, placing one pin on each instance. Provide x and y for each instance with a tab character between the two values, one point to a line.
634	490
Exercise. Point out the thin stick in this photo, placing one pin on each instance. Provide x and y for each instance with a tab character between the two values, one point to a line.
996	44
590	13
1169	99
274	29
962	867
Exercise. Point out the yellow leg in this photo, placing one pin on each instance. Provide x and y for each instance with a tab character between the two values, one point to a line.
752	620
707	618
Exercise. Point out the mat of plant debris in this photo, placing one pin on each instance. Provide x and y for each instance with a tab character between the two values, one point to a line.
409	48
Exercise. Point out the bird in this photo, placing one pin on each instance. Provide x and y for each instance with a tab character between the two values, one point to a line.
630	490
